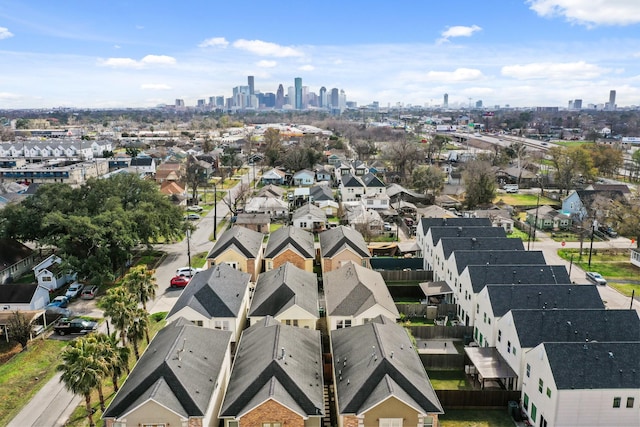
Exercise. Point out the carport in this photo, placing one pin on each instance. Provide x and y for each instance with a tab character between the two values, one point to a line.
436	289
490	365
30	316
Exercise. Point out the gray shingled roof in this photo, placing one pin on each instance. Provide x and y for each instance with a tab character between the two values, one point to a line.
247	242
575	325
453	222
464	258
351	181
309	209
335	239
260	372
215	293
17	294
11	252
482	275
296	238
438	233
321	192
510	297
376	361
176	371
595	365
370	180
450	244
278	290
351	290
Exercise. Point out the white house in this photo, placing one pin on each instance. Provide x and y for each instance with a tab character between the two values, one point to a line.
49	273
351	188
23	297
304	177
582	384
268	205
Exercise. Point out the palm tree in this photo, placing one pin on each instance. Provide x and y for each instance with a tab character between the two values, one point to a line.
117	357
80	372
138	329
119	304
140	282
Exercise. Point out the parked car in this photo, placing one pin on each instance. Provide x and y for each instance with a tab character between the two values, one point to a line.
180	281
192	217
596	278
89	292
74	290
608	231
59	301
387	226
187	271
78	325
195	208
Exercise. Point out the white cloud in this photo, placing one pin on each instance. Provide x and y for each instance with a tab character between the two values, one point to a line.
155	86
148	60
266	64
214	42
550	70
8	95
460	31
263	48
591	12
158	59
116	46
458	75
5	33
307	67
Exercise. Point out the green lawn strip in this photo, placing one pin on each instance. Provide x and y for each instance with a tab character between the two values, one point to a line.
199	259
18	382
79	416
274	226
449	380
518	234
572	143
626	289
475	418
609	265
524	200
565	236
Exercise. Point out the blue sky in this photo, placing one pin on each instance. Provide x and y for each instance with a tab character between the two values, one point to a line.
138	53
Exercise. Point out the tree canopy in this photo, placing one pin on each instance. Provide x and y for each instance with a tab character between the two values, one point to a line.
480	181
96	226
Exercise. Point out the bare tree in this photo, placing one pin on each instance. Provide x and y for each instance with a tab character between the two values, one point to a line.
403	155
237	200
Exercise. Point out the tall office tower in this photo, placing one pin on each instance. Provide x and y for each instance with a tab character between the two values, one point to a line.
179	103
343	100
201	103
570	105
335	98
279	97
241	98
445	103
612	100
479	103
577	104
322	100
298	92
251	86
291	94
220	101
305	97
212	101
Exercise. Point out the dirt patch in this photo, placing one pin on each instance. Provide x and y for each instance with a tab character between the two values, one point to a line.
8	350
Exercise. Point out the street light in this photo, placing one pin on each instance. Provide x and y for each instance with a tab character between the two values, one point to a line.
594	224
189	246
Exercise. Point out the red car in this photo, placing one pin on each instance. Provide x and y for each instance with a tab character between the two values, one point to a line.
180	281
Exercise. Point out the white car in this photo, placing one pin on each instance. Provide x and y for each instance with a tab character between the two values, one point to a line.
74	290
187	271
195	208
596	278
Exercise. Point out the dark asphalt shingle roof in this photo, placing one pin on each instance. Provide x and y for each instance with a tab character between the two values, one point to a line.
17	294
321	193
260	372
594	365
482	275
351	181
376	361
464	258
295	238
438	233
371	180
575	325
336	239
215	293
176	371
11	252
280	289
450	244
453	222
351	290
524	296
245	241
309	210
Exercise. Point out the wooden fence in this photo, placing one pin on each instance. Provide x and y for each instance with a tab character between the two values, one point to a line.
477	398
406	276
442	362
441	332
420	310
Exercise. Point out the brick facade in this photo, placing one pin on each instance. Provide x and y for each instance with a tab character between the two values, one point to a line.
274	412
289	256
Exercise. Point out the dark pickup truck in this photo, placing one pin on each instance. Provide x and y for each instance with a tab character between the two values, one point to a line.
78	325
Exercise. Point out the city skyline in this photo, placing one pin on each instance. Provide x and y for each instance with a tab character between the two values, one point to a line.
522	53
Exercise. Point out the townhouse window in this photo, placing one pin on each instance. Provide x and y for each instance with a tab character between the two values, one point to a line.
509	347
630	402
485	317
475	333
197	322
489	320
525	402
541	385
514	350
273	424
293	322
390	422
534	412
154	425
499	335
528	371
343	324
548	392
616	402
477	308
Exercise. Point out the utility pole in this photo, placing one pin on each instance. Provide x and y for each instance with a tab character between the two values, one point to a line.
593	229
189	246
215	211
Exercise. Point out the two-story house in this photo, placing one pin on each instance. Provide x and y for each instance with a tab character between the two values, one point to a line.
340	245
290	244
239	247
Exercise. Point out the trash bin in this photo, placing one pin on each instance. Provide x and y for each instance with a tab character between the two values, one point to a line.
514	410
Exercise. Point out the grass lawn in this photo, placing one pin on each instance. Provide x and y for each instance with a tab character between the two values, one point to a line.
79	416
524	200
18	383
449	380
566	236
572	143
476	418
518	234
610	266
626	288
199	259
274	226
